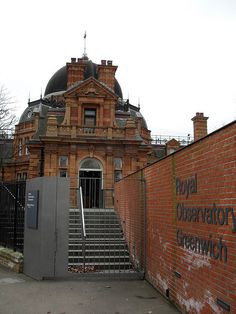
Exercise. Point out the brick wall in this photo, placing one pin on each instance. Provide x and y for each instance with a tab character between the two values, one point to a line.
132	220
191	224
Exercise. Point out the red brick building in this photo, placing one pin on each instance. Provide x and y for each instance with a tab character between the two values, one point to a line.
82	128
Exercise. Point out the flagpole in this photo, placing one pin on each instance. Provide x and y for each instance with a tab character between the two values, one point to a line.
85	35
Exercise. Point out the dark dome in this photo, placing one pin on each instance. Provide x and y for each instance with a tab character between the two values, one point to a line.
58	82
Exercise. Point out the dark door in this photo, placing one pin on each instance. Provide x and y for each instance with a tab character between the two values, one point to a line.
91	183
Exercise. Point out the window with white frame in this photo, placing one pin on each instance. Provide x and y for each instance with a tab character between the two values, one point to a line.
20	147
26	146
117	168
118	163
90	117
63	161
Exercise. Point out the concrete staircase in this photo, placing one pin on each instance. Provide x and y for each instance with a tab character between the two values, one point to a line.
104	249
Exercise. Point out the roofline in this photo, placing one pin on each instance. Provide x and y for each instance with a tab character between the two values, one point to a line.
185	147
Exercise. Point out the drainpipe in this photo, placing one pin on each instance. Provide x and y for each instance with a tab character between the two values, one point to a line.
41	169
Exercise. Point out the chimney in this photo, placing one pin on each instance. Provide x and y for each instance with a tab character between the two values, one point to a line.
199	126
106	73
75	71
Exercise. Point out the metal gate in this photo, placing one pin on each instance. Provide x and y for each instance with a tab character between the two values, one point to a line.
102	241
12	211
92	192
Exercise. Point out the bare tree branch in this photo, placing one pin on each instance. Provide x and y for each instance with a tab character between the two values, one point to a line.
7	116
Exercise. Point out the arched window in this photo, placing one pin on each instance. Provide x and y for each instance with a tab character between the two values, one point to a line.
90	164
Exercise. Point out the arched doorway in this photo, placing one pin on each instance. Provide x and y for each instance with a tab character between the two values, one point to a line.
90	179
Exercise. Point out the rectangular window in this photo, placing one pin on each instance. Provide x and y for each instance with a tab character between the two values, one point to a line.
118	163
90	117
63	161
26	146
20	147
63	173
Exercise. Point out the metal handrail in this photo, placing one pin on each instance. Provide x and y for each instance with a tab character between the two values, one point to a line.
82	212
12	195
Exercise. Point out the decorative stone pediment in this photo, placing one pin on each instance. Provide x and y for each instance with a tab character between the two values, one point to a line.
91	88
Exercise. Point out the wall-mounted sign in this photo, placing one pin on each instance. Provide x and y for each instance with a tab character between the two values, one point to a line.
32	209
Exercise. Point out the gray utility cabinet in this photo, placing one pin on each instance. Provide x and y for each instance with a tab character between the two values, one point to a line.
46	227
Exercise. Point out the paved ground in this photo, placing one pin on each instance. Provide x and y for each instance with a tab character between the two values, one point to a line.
22	295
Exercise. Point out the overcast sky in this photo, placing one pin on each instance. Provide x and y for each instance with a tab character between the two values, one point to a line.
177	56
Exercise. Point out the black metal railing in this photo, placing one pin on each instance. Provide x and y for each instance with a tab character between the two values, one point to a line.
163	139
12	212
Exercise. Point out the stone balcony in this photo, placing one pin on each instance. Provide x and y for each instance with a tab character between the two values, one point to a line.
76	132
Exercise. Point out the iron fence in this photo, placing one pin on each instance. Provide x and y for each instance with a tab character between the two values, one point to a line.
12	211
98	244
163	139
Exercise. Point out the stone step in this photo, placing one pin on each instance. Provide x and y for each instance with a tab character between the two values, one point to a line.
105	247
98	210
93	211
104	266
100	229
99	245
96	221
97	213
94	225
110	245
94	218
99	252
99	259
97	235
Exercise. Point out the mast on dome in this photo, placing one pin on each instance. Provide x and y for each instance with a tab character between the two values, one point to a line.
85	54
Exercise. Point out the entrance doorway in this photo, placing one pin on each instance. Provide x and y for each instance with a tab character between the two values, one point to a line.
90	179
